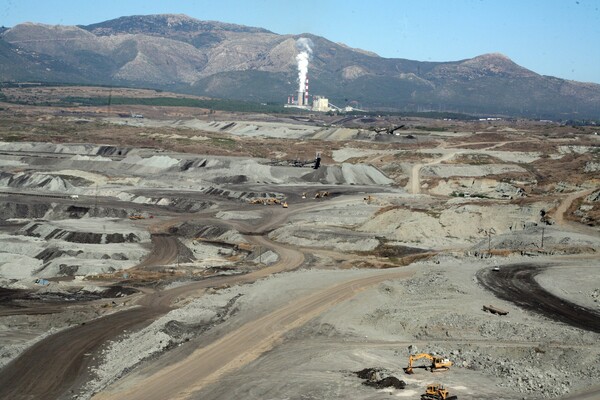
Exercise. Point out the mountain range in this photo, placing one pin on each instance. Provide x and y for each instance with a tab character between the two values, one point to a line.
215	59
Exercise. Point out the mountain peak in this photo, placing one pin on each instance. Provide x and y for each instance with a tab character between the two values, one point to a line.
164	24
497	63
493	56
209	58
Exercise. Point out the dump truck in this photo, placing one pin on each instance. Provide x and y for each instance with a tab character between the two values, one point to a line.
320	195
438	364
436	391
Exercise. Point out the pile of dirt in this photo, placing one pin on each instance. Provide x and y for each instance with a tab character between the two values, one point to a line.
42	231
36	180
349	174
82	294
9	209
372	377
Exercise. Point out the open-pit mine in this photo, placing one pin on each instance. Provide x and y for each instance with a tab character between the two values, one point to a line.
180	253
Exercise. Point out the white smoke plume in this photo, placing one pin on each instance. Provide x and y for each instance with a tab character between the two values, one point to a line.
304	46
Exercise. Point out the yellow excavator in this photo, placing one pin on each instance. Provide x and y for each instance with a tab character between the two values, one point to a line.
437	363
437	392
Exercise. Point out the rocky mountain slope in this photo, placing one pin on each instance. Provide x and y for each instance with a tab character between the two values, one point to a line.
216	59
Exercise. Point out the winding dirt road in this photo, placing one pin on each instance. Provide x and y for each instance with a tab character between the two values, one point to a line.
57	365
208	364
561	210
517	284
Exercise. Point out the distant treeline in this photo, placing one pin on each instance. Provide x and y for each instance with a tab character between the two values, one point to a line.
210	104
425	114
222	104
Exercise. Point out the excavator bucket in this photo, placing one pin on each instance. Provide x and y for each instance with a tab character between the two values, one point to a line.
409	370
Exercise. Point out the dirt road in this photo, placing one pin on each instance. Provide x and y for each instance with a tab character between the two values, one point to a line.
164	250
208	364
58	364
415	180
561	210
517	284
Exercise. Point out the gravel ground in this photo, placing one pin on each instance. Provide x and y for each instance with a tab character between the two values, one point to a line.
439	309
521	355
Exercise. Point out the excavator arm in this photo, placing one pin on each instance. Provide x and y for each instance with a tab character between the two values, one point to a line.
437	363
413	358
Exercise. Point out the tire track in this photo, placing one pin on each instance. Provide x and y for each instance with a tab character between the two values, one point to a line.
517	284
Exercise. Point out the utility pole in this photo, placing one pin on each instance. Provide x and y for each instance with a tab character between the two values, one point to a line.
96	199
488	233
543	228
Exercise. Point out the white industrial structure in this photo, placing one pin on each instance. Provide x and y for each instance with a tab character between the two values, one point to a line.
319	103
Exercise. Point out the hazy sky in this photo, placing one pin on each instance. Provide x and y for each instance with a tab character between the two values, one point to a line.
551	37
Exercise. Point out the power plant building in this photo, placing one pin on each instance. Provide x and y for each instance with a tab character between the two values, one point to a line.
320	104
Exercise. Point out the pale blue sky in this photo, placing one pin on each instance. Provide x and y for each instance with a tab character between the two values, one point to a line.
551	37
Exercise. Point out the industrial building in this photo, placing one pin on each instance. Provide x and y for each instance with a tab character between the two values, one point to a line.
301	100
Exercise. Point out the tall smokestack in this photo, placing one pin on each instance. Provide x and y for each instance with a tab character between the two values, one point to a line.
306	92
304	46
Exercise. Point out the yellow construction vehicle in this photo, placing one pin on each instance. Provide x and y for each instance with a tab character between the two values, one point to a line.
284	204
437	363
370	199
437	392
320	195
267	201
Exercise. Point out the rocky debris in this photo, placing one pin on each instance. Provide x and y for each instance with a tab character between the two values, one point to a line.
48	249
87	293
350	174
326	237
37	229
36	180
589	209
181	331
529	238
373	378
595	196
10	210
463	170
390	381
538	371
591	166
169	331
204	231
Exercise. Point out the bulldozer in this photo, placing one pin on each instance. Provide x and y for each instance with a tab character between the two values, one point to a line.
436	391
438	364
